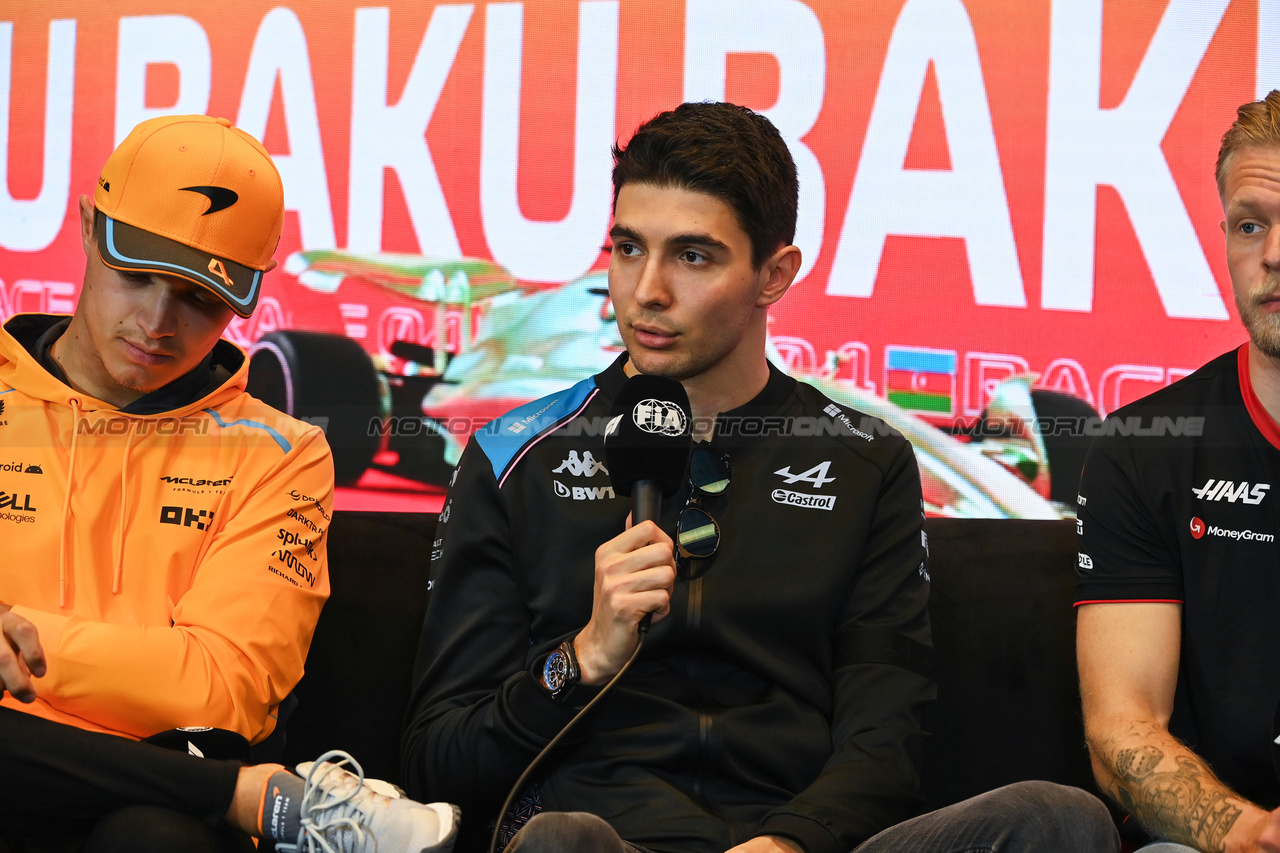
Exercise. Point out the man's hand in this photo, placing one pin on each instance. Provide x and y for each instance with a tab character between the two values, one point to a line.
21	655
766	844
1256	831
635	572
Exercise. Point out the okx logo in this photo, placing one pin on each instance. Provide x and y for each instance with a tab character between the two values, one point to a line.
186	516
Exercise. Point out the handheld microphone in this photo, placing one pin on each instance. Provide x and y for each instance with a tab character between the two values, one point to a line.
647	445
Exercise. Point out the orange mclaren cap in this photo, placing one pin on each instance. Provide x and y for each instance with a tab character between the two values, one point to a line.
194	197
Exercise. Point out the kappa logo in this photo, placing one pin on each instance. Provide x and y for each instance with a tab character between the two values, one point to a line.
815	476
586	466
1228	490
583	493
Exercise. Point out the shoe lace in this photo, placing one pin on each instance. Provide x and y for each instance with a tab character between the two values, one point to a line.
326	811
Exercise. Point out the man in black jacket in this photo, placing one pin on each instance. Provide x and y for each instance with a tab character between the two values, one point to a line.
776	704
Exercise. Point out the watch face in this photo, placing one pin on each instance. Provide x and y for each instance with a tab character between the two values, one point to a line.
556	671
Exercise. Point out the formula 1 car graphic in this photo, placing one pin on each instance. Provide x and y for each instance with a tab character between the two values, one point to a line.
412	355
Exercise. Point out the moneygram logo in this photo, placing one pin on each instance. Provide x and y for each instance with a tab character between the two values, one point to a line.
1224	533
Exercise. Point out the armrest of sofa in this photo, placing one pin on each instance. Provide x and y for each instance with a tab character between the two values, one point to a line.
1004	632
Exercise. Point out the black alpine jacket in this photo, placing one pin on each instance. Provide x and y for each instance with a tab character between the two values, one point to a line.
781	696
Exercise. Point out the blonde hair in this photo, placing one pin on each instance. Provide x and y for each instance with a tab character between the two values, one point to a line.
1257	124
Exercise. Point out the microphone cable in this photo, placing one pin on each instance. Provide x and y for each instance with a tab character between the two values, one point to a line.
643	630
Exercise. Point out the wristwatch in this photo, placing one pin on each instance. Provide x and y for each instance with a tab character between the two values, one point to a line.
561	672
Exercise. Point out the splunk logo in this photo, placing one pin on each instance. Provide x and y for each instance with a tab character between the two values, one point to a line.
1227	490
1199	529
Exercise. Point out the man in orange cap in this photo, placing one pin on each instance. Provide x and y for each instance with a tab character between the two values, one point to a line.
164	532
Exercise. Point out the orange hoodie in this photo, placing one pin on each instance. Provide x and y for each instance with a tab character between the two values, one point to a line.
173	564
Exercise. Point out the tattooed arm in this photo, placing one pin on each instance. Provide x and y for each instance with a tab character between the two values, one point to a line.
1128	657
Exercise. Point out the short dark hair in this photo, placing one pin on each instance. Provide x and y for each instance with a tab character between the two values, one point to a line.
725	151
1257	125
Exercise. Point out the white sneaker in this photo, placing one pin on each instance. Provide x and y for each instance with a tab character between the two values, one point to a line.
342	812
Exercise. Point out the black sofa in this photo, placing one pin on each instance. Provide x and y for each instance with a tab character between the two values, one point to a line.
1008	704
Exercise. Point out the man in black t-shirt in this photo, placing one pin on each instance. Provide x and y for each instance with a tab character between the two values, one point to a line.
1178	593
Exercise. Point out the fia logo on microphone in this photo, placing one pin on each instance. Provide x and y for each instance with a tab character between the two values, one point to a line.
659	416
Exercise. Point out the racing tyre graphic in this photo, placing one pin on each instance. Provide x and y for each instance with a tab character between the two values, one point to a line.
327	380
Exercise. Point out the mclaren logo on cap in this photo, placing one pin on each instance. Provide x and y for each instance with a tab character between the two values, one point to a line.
220	198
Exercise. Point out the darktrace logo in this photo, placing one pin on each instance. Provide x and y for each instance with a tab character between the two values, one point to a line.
1197	528
186	516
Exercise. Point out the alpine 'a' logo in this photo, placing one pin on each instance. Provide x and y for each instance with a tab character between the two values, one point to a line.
1219	490
220	198
815	476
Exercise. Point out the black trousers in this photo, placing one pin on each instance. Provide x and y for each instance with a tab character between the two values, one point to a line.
63	788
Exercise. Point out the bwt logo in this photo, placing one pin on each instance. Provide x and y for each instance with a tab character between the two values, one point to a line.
186	516
659	416
1217	490
584	493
